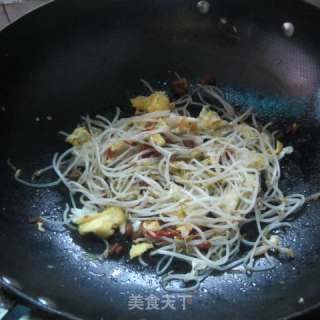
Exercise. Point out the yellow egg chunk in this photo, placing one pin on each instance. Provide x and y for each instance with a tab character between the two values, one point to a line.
181	124
152	225
180	214
158	101
187	125
210	119
99	226
102	224
157	139
139	102
118	147
257	161
78	137
279	147
185	230
247	132
161	124
140	248
253	159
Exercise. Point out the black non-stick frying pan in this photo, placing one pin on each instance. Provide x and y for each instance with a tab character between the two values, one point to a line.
74	57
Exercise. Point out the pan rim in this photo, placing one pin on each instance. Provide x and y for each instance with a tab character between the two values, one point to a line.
56	312
36	303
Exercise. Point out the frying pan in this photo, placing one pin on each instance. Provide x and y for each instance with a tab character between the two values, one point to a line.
76	57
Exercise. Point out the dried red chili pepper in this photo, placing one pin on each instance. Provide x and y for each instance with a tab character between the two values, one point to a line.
116	249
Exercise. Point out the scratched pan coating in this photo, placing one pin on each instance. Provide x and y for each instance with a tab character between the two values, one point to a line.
76	57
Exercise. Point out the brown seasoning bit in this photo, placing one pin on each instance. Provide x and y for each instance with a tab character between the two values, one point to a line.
189	143
293	128
180	87
137	234
129	230
74	175
208	79
34	220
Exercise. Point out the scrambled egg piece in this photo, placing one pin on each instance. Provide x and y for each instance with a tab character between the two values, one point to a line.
247	132
182	124
158	101
185	230
158	139
152	225
279	147
186	125
118	147
257	161
140	248
254	160
196	153
179	214
102	224
78	137
161	124
210	119
290	253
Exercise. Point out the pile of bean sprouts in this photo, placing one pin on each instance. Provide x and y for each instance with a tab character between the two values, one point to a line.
177	177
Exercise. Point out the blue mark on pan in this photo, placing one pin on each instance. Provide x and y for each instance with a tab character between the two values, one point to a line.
317	105
270	106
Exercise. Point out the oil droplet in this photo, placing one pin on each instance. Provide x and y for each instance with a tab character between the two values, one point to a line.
288	29
203	6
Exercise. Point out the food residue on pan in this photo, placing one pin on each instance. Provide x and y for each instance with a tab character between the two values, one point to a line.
177	185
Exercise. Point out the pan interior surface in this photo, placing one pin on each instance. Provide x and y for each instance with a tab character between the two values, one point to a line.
87	58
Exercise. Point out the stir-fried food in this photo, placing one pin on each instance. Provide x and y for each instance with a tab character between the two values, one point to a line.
185	186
